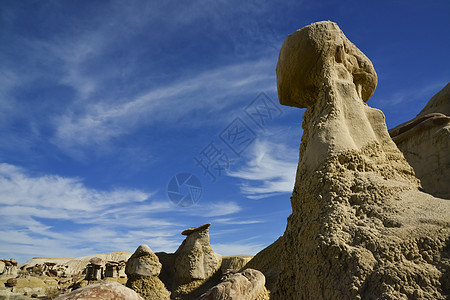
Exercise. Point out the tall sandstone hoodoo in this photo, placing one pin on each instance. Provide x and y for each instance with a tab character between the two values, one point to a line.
360	228
195	264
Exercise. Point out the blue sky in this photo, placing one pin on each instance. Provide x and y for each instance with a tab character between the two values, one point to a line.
103	102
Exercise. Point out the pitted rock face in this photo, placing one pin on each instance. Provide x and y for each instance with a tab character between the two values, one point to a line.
315	52
319	68
195	259
142	269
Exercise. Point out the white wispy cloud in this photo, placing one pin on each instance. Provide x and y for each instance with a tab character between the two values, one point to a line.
97	111
215	209
203	94
269	170
236	221
58	192
237	248
412	94
33	207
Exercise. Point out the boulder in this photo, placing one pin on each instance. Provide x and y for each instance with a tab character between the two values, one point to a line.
268	261
360	228
246	285
12	282
425	142
105	290
2	267
143	262
142	270
96	261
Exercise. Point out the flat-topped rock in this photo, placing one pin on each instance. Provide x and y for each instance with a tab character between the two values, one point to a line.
194	229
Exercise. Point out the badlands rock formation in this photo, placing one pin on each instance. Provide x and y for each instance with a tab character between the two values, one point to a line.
425	142
45	276
195	261
142	270
360	228
8	267
77	265
268	261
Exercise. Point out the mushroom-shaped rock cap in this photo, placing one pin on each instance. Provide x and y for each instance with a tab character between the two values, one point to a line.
96	261
314	52
194	229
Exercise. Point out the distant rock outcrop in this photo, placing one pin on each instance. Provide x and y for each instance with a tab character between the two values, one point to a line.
77	265
359	228
234	262
142	270
425	142
8	267
104	290
245	285
195	262
95	269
